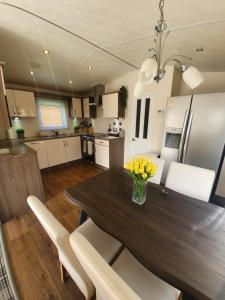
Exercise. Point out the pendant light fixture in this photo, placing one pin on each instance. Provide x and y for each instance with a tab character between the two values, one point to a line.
153	68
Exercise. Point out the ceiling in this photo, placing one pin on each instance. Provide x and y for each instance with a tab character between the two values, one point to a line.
124	28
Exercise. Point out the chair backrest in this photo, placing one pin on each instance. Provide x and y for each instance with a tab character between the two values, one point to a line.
190	180
52	226
159	162
109	285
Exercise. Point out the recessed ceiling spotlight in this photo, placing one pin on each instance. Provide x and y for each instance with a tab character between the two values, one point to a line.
199	50
89	67
31	73
46	51
70	82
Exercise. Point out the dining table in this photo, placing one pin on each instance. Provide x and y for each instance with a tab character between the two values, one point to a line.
178	238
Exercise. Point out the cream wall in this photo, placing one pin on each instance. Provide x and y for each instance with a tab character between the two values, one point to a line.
214	82
158	94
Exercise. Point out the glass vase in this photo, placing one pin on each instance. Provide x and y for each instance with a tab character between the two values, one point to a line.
139	191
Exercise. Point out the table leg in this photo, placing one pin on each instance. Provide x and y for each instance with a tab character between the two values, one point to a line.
83	217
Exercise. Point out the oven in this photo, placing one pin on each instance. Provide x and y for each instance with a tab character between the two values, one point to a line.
88	147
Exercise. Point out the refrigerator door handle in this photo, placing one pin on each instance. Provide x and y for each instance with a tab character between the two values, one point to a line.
187	137
182	137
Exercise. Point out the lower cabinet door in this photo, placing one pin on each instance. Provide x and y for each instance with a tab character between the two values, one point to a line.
102	155
40	148
56	151
73	148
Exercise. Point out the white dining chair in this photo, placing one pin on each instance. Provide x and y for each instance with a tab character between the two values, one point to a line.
159	162
103	242
126	279
191	181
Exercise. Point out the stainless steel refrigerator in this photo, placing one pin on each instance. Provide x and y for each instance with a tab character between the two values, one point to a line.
194	131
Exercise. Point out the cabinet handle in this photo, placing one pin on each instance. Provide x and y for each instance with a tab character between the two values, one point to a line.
65	143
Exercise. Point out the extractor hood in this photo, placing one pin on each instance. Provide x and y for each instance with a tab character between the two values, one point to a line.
96	92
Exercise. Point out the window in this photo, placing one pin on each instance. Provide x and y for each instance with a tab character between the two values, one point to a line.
51	114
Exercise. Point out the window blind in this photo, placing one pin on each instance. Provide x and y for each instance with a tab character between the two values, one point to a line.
51	114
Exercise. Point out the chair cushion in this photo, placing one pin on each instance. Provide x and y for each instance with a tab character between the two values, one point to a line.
104	243
144	283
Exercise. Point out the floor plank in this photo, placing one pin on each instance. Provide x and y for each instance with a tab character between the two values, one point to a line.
33	256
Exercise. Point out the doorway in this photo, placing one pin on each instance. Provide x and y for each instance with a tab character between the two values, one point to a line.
140	131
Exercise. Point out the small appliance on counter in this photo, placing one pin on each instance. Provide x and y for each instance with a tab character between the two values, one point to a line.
113	132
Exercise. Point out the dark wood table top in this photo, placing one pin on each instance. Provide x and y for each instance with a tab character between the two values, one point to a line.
180	239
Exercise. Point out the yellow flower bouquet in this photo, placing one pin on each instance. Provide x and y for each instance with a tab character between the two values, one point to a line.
140	169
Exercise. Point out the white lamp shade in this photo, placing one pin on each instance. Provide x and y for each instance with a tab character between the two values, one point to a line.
192	77
138	90
148	71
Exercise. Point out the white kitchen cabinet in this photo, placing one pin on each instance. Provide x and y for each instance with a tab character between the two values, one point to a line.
86	107
40	148
102	153
11	103
110	106
76	108
56	151
72	148
21	103
63	150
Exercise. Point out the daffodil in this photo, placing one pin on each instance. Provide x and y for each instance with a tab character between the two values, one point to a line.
127	166
141	167
136	170
144	175
141	170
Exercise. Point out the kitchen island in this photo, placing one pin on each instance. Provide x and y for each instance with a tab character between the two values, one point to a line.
19	178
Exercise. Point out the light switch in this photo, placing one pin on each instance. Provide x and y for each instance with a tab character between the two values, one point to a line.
160	112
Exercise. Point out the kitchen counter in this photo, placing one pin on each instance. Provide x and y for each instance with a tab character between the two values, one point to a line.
17	146
19	178
20	173
60	136
110	138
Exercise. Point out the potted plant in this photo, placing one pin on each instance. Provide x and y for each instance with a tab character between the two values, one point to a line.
140	169
20	133
76	128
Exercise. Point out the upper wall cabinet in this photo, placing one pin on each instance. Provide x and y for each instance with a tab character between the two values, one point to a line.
21	103
76	108
4	118
111	107
86	108
89	111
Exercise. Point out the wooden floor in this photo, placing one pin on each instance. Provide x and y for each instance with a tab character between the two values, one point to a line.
33	256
